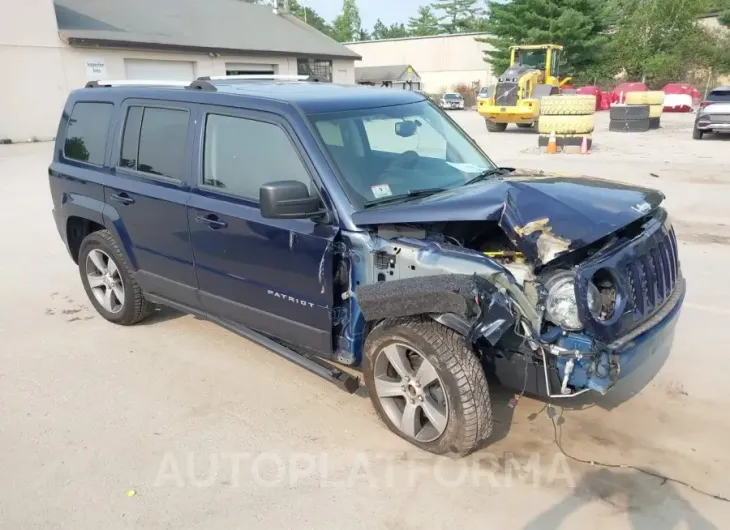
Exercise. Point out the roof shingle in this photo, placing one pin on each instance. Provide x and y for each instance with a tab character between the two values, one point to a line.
224	25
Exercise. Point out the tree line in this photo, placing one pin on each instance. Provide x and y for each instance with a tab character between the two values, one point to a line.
657	41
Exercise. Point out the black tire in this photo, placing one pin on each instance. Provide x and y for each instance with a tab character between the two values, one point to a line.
496	127
655	123
135	307
460	370
630	112
629	125
697	134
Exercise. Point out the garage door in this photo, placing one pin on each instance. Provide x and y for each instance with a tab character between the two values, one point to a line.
250	69
138	69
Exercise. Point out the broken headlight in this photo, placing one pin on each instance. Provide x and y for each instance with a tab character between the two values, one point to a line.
561	307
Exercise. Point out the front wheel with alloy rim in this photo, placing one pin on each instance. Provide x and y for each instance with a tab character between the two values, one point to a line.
427	385
108	281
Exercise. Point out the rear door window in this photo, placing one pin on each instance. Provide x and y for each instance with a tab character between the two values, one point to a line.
154	141
87	132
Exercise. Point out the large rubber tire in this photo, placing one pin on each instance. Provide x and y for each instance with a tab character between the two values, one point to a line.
629	112
567	105
655	123
496	127
655	97
460	370
565	124
629	125
655	111
697	134
135	307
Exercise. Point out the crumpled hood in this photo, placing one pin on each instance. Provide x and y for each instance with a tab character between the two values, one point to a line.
543	214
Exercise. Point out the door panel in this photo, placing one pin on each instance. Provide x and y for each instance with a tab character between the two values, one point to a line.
155	228
272	276
147	201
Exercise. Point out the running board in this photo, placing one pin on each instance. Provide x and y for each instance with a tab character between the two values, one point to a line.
317	366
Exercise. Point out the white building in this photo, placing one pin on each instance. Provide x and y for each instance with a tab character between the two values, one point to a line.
48	49
441	61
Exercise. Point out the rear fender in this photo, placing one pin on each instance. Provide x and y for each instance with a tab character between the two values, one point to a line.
112	221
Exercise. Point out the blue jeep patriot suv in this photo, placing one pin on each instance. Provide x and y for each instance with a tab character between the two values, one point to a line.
344	225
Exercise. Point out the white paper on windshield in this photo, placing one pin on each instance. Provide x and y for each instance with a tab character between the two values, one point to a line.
467	168
381	190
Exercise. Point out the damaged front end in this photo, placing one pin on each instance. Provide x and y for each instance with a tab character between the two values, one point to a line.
554	315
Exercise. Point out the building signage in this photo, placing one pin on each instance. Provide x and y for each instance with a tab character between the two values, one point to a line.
95	68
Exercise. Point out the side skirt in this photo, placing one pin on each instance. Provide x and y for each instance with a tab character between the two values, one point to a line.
320	367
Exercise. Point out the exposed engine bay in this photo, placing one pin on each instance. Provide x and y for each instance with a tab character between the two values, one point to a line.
519	312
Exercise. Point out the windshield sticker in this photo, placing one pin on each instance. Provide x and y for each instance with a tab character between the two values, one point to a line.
381	190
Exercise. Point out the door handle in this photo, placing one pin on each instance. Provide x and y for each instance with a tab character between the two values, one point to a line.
123	198
211	220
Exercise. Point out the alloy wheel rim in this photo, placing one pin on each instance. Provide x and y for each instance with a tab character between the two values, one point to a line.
105	280
411	392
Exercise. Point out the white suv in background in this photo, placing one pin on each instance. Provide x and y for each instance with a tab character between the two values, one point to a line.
452	100
713	116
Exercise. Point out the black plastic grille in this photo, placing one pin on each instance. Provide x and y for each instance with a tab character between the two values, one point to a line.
652	275
506	94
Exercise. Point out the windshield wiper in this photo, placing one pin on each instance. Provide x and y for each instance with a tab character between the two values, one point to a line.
404	196
495	171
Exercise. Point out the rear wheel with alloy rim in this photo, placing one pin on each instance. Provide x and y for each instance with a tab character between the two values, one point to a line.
427	385
108	281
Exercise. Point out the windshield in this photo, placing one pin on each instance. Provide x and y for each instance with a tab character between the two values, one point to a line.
532	58
389	151
452	96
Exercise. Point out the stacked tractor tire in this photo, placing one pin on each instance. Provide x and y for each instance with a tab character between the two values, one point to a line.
641	111
569	117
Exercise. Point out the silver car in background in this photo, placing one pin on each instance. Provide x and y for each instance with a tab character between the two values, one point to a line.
452	100
713	115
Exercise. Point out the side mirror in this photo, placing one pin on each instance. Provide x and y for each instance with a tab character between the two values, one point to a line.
288	199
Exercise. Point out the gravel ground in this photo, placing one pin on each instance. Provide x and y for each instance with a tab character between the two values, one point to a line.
179	424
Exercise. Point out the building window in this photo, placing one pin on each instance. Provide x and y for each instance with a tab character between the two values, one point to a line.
316	67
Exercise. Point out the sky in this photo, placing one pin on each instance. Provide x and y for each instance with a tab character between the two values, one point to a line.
389	11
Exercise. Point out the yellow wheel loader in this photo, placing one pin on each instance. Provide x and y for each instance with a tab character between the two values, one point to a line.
532	74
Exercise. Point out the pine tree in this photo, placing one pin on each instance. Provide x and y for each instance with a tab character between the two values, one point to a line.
578	25
347	26
425	23
459	16
310	16
394	31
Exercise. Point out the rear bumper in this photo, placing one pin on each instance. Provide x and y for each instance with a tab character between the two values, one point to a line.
711	126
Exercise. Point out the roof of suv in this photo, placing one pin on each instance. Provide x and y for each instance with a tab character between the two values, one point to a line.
310	97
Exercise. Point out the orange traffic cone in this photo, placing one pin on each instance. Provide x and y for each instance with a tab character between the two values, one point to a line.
584	145
552	146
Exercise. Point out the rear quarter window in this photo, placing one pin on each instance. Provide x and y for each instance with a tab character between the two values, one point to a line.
87	132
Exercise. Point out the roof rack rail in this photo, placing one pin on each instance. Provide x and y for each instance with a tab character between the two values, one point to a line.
130	82
208	82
